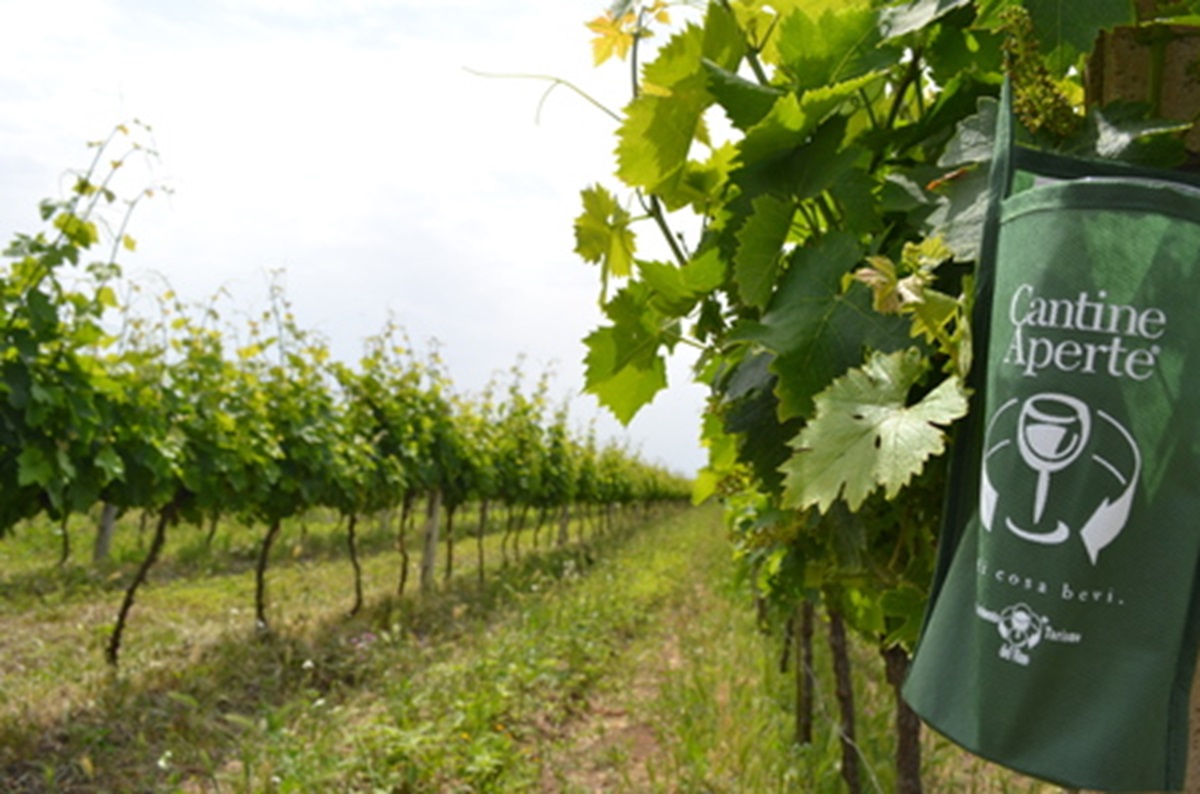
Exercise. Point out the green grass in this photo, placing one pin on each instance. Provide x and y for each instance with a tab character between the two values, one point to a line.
630	663
707	685
203	700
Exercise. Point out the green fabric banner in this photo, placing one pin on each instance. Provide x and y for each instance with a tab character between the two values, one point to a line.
1062	634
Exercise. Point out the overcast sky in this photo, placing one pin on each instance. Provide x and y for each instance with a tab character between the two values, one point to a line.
346	143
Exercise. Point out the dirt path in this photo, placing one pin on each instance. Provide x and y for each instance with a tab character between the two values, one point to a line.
613	745
626	737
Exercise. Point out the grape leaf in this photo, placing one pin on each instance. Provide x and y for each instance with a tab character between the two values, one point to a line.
602	235
816	330
1121	131
744	102
660	124
906	18
802	168
787	125
622	384
656	137
960	214
109	461
34	467
865	435
666	280
830	46
705	272
678	289
1068	29
904	605
614	36
750	412
974	136
855	193
756	263
724	43
700	185
623	367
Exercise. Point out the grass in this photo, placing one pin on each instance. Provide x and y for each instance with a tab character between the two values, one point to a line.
203	702
699	703
631	662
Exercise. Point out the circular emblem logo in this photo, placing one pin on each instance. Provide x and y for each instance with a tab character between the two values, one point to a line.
1021	627
1054	467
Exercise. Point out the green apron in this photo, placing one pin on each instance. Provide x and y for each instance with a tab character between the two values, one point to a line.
1061	634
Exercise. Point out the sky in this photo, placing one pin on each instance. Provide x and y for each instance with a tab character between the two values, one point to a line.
353	146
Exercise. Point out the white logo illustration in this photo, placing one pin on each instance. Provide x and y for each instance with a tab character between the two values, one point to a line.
1056	436
1022	630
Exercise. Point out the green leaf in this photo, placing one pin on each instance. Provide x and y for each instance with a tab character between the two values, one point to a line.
760	240
816	330
831	45
602	234
623	366
1122	131
624	390
787	126
751	413
722	457
865	435
87	333
34	467
1066	29
854	192
661	123
705	272
43	314
933	313
904	606
909	17
106	298
80	232
46	394
678	289
901	193
954	50
701	184
672	295
109	462
744	102
960	214
656	136
724	44
974	137
796	148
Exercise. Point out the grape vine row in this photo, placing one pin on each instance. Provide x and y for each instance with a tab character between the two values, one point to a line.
190	419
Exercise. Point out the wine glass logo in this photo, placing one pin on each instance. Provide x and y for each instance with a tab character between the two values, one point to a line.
1044	434
1052	431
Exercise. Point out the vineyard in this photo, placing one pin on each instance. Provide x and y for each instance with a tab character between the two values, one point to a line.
230	562
184	419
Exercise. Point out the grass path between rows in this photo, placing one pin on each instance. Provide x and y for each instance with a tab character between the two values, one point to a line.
462	690
630	663
699	702
687	705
